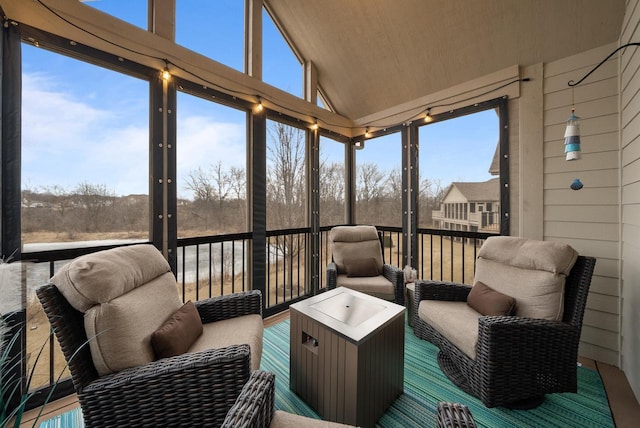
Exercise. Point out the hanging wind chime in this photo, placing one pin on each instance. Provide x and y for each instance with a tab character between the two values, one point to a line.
572	133
572	143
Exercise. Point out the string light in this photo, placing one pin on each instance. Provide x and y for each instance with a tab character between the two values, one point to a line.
428	118
259	107
166	74
367	134
315	124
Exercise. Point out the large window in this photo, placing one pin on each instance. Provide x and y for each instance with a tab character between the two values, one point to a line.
214	29
85	138
286	209
460	169
85	144
133	11
459	190
286	176
379	181
332	182
211	167
280	67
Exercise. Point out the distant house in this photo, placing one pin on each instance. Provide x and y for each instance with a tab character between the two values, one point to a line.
469	206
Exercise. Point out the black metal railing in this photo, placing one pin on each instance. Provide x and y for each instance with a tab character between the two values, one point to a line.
448	255
287	274
209	266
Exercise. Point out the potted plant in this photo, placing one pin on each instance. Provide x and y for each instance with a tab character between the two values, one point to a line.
14	383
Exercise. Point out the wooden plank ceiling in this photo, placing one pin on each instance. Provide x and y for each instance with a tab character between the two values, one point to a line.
372	55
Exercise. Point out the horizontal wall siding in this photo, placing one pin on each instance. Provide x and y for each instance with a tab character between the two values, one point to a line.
587	219
630	207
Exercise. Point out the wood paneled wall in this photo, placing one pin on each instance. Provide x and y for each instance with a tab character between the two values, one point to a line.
587	219
630	194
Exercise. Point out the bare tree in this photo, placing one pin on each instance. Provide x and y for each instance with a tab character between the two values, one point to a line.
94	200
222	182
238	182
430	196
238	189
332	193
286	190
369	183
200	184
62	198
393	185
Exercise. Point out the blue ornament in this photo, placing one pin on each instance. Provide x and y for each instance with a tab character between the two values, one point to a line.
577	184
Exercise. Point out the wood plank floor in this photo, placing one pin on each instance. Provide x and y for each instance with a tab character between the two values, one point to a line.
624	405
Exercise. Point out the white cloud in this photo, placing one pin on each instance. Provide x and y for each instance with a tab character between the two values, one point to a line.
53	122
67	141
202	142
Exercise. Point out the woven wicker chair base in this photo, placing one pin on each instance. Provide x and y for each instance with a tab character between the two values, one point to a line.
451	370
454	415
455	375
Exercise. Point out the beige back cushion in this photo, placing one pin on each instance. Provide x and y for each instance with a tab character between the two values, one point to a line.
355	242
531	271
125	293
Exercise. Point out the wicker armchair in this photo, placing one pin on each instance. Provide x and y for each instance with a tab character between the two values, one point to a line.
194	388
358	243
518	360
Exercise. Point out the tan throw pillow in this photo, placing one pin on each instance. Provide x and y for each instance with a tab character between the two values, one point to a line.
361	267
178	333
488	301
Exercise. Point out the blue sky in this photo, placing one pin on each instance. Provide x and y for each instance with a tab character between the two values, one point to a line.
98	132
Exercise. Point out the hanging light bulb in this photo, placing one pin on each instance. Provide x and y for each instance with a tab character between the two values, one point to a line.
259	107
315	124
367	134
166	75
428	118
572	137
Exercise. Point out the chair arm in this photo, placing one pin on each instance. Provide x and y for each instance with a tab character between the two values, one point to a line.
396	276
255	404
529	341
230	306
205	384
441	290
332	276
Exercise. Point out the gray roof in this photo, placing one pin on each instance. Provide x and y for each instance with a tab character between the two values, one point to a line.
478	191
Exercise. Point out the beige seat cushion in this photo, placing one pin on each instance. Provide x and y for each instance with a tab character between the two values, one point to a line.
245	329
355	242
454	320
126	293
533	272
289	420
377	286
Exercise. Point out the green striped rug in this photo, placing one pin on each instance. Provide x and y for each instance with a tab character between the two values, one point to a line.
425	385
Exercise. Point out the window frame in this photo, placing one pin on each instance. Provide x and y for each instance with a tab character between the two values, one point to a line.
501	105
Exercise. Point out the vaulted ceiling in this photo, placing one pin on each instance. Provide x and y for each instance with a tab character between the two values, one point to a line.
372	55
